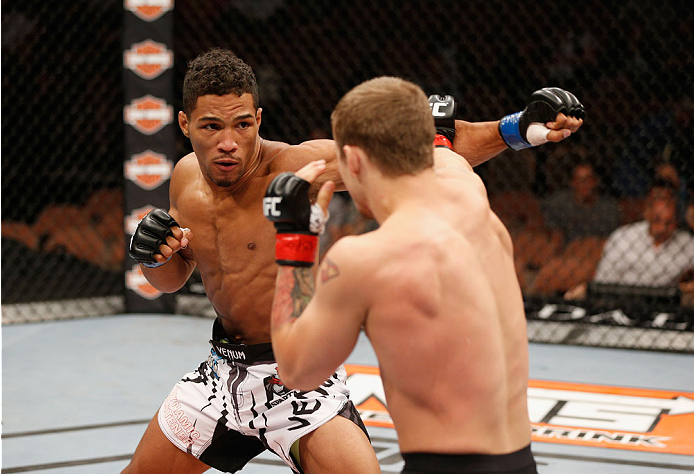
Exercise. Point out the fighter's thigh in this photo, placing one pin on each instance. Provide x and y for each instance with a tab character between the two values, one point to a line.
155	454
338	446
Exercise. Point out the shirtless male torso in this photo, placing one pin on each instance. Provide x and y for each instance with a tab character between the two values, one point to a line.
235	404
434	288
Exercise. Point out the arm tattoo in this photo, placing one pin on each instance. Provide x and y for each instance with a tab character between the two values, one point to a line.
328	271
293	292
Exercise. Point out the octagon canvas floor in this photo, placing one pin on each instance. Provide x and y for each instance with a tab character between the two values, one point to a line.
77	395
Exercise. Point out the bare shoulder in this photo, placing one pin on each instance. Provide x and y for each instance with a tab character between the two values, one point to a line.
186	166
353	255
457	173
186	171
382	267
285	157
449	162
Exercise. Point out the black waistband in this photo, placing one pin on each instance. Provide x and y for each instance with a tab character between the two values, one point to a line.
518	461
239	353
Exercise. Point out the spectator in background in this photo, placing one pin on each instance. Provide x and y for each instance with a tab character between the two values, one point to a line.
668	179
581	211
664	171
687	280
651	252
689	213
580	217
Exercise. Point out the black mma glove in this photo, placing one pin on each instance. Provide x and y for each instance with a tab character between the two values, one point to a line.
297	222
543	106
443	109
151	232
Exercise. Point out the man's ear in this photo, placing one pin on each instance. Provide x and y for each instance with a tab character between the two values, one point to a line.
354	156
183	123
258	116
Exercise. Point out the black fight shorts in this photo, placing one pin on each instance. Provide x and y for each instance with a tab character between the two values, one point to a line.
518	462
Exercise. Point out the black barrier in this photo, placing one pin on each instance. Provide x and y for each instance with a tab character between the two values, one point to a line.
612	323
613	311
150	132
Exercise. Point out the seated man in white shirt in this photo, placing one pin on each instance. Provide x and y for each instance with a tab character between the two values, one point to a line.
651	252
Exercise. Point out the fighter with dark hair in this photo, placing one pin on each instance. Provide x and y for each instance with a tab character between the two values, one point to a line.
215	223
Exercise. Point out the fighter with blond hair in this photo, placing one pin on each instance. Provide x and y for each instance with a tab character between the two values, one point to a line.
434	287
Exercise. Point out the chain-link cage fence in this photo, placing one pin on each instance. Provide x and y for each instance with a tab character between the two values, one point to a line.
62	155
565	205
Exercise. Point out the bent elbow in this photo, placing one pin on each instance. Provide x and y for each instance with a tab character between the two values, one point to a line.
166	287
294	378
302	384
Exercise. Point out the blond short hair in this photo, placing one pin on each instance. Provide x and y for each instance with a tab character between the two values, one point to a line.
390	119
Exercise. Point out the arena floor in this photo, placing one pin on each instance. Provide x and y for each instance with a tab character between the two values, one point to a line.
77	395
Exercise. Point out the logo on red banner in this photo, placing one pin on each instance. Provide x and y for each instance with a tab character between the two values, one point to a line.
136	281
148	169
149	10
135	217
148	114
659	421
148	59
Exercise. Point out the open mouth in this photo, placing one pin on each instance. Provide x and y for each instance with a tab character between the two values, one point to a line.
226	165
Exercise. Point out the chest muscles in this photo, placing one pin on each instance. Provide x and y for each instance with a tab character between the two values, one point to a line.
230	235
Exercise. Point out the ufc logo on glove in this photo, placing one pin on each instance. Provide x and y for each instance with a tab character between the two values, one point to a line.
435	109
270	206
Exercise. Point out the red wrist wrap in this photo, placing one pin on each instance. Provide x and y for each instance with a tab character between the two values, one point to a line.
296	249
440	140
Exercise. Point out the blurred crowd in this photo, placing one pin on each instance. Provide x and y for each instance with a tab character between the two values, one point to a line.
597	208
91	231
584	231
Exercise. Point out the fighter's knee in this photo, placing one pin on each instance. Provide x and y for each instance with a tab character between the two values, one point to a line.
339	446
128	470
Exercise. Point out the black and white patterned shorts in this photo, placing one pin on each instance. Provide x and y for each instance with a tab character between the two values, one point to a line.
234	406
